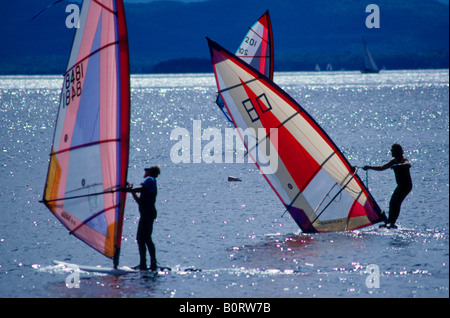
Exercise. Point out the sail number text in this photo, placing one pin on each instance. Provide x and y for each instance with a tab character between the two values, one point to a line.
72	84
250	42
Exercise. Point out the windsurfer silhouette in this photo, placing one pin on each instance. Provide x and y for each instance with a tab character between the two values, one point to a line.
146	202
401	166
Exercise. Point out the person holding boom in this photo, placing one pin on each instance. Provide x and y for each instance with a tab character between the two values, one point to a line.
147	209
401	167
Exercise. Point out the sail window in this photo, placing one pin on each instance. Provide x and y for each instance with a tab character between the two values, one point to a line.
263	103
250	108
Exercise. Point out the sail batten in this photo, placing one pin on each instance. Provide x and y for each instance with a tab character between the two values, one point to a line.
117	188
89	158
91	218
105	7
84	146
237	85
90	55
309	164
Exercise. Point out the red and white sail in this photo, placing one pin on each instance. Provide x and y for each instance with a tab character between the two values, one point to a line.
312	178
256	48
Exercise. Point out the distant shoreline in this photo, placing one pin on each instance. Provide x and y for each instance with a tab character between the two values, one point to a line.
55	65
277	73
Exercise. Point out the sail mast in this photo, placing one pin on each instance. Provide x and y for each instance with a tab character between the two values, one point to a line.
124	77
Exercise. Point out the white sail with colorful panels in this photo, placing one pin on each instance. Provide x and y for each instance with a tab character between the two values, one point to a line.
89	159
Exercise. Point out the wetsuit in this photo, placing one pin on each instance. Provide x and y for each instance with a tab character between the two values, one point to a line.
404	187
145	228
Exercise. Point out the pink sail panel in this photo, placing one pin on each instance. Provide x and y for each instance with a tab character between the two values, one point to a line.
89	159
256	48
312	178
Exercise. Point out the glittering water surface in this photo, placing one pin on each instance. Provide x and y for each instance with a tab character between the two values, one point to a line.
229	239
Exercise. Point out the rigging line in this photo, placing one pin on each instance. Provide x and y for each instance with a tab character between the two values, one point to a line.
92	217
259	35
45	8
367	179
299	192
221	105
84	146
105	7
83	195
292	202
321	166
316	172
326	196
335	196
238	85
86	187
92	53
356	199
252	56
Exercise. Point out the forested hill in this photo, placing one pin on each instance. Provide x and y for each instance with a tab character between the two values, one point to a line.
169	36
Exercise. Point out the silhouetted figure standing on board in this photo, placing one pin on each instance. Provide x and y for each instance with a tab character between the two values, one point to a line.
148	213
401	166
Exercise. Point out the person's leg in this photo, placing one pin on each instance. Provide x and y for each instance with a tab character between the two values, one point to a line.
395	204
140	237
152	251
394	207
142	254
151	248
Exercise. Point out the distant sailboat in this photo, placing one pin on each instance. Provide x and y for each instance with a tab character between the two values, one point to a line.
369	63
313	179
89	157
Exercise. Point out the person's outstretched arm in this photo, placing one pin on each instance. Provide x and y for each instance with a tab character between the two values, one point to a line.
381	168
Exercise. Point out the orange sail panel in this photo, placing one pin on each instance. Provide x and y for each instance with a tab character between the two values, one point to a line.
89	158
310	175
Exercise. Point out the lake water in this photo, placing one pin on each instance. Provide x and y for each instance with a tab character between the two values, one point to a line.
229	239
